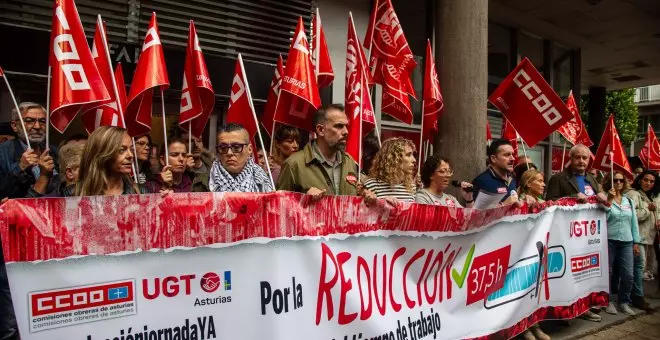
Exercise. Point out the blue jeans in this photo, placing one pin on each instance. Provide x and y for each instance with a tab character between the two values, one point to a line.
621	258
638	272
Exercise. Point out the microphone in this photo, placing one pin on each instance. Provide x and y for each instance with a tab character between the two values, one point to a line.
457	184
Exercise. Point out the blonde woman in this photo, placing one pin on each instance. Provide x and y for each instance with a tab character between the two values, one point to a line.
105	167
532	186
393	170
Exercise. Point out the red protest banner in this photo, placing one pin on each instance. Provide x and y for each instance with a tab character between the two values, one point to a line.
530	104
75	79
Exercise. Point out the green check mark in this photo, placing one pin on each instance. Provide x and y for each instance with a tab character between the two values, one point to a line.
460	279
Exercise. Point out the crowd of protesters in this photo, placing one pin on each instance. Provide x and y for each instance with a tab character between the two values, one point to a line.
110	162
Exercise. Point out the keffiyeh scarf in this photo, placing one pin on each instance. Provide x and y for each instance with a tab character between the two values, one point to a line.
252	179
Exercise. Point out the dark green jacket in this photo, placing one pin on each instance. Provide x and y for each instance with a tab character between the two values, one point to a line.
564	184
302	171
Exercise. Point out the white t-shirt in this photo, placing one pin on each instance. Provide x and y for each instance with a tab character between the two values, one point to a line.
424	196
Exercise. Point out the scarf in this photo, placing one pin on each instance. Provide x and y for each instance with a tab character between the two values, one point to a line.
252	179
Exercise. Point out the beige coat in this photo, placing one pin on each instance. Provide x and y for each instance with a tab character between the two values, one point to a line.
645	217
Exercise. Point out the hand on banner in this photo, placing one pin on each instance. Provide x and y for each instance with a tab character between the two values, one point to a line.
512	200
28	159
46	163
166	176
651	206
581	198
370	198
165	192
315	193
602	198
530	201
392	201
635	249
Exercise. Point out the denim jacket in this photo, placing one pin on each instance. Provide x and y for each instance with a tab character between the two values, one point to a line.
622	221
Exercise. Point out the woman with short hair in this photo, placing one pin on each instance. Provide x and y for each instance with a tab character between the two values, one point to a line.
436	174
286	141
393	171
106	164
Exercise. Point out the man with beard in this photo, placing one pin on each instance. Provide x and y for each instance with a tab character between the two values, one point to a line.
322	167
20	167
498	178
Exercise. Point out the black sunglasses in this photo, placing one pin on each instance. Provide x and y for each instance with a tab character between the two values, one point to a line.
235	148
619	180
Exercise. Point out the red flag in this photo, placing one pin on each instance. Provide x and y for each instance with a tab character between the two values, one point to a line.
392	60
650	153
299	96
320	53
611	151
489	135
75	79
197	96
574	130
530	104
271	100
509	133
432	98
149	73
2	73
121	86
357	99
241	109
105	113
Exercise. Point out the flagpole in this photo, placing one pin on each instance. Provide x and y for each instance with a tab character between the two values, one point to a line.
256	122
612	168
116	90
47	108
359	161
162	103
18	110
190	136
563	154
421	141
524	151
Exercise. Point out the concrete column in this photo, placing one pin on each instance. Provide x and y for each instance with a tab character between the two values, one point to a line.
596	120
461	29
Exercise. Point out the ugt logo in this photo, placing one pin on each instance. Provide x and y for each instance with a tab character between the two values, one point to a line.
582	228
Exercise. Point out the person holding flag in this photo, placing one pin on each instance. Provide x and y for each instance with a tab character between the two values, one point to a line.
20	165
575	181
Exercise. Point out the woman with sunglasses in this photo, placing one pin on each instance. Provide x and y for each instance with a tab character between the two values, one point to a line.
622	239
436	174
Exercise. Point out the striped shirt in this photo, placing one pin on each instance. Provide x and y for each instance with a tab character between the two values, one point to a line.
382	190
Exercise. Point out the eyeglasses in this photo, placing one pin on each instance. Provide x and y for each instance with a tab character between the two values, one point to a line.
235	148
445	172
31	121
619	180
144	144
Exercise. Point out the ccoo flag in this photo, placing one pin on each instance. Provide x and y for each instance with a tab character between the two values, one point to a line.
271	100
357	99
320	53
241	108
610	151
392	60
150	72
530	104
432	98
75	79
574	130
650	153
197	96
106	113
299	96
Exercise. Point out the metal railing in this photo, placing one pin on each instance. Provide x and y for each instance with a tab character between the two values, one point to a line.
647	94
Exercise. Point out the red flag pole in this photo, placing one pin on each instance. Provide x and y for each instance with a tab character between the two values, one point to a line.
162	103
421	142
18	110
563	156
524	149
256	121
189	136
648	157
115	89
47	107
612	153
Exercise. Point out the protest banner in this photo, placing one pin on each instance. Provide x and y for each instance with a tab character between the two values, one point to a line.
280	266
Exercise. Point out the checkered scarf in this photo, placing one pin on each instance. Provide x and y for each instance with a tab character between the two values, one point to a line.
252	179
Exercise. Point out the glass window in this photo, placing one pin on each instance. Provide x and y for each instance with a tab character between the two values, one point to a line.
531	48
561	61
499	55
